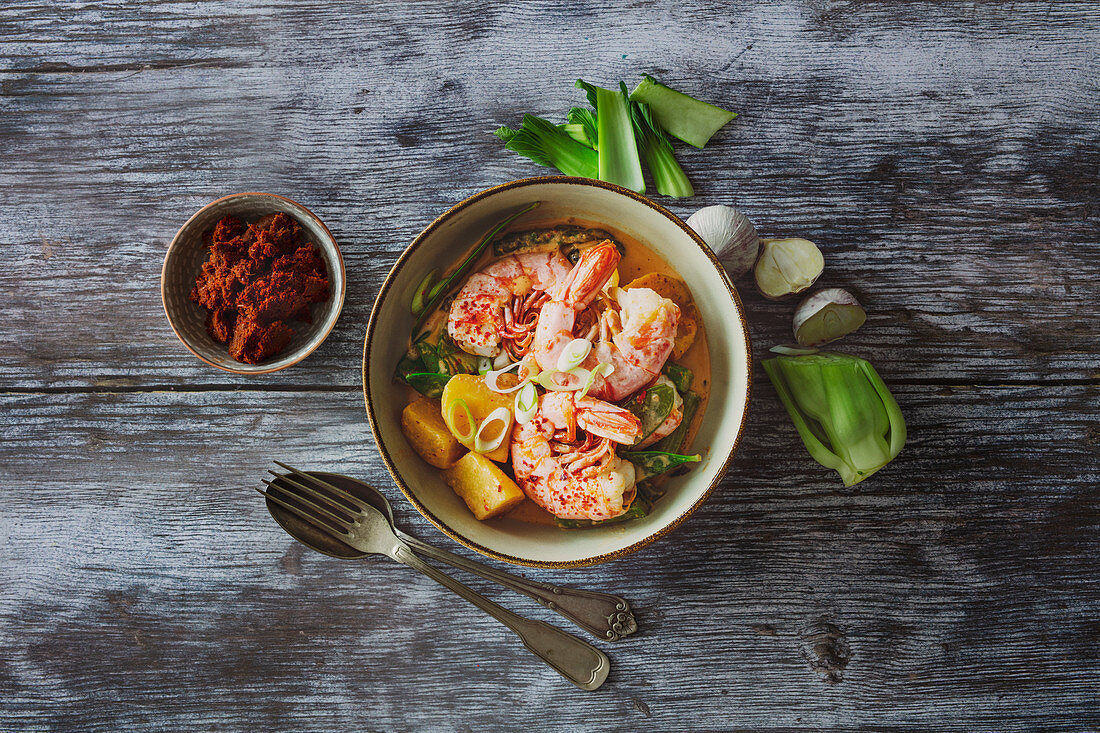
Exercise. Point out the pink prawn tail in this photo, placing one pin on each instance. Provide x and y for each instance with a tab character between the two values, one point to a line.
608	421
590	274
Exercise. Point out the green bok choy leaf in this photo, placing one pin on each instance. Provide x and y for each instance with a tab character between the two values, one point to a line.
546	144
842	410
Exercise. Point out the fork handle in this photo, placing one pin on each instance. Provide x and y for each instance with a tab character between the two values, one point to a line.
601	614
578	661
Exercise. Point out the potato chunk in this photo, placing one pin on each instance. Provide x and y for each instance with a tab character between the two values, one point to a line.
483	486
481	400
676	291
423	426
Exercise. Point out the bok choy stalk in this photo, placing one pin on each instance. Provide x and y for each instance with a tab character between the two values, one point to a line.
657	152
546	144
842	410
617	151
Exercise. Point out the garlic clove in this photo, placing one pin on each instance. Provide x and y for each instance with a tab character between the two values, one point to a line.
731	236
826	316
787	266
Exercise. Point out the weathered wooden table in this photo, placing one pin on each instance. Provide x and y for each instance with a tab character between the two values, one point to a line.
946	160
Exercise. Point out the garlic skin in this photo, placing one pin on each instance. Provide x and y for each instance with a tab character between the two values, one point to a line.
826	316
731	236
787	267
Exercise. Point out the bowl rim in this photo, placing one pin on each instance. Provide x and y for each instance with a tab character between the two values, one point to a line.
338	298
392	467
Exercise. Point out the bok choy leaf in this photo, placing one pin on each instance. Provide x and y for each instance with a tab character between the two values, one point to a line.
544	143
842	410
684	117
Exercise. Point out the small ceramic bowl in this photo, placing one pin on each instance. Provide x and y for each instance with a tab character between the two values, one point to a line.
187	253
442	244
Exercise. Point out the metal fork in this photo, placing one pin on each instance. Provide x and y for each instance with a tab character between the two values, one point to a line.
363	527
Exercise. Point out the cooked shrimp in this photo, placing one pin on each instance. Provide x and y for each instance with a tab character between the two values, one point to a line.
576	477
636	340
495	304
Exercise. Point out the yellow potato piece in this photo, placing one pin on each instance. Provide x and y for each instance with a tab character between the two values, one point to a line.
483	486
481	400
423	426
676	291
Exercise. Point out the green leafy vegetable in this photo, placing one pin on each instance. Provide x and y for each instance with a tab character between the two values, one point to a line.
654	462
674	441
657	153
618	151
429	357
586	118
544	143
681	116
652	406
577	132
429	384
454	360
638	509
436	294
842	410
505	133
681	376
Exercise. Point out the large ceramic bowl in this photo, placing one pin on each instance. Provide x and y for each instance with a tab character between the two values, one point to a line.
446	240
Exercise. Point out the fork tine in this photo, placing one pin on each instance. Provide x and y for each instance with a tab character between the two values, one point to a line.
324	510
355	500
303	515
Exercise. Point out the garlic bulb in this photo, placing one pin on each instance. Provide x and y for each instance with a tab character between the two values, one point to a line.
787	266
826	316
730	234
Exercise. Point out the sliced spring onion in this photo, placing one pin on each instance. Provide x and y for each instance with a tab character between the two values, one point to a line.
484	364
466	436
549	379
575	352
486	440
602	369
420	297
492	376
527	403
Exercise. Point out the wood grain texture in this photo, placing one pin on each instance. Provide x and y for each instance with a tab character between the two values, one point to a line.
946	159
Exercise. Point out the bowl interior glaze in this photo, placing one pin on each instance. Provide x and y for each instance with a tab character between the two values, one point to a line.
445	241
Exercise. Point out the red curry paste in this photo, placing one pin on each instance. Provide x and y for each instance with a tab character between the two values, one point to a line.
256	279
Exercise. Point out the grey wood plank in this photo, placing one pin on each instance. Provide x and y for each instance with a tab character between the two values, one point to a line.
142	584
945	160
